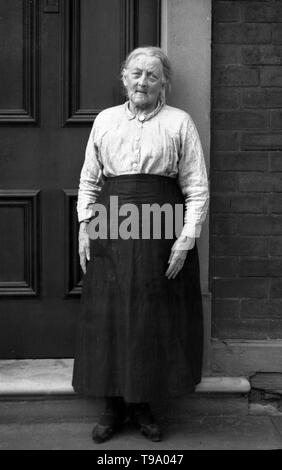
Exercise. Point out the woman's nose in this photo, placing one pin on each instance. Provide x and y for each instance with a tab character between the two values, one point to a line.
143	79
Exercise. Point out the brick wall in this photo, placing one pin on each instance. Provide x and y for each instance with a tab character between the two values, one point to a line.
246	170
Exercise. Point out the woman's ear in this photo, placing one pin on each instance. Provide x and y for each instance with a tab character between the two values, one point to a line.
124	78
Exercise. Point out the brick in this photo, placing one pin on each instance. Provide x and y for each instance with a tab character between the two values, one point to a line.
225	266
275	203
259	182
276	34
249	204
239	120
240	288
275	288
225	98
239	246
255	12
221	181
263	98
240	161
266	141
243	329
276	161
223	225
255	308
260	224
275	329
246	33
275	246
226	55
262	55
271	76
253	267
236	75
229	203
226	11
238	204
225	308
276	119
225	140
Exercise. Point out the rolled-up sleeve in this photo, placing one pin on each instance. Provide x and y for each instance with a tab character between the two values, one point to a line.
91	177
192	179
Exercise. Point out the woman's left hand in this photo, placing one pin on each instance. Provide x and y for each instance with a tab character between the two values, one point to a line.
176	261
178	255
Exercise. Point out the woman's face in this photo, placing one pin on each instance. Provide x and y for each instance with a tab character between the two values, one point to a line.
144	81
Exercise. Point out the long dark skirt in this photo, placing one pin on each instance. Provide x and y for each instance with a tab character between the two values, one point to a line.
140	335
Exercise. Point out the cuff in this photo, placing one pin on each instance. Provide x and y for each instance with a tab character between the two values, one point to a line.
184	243
84	214
191	231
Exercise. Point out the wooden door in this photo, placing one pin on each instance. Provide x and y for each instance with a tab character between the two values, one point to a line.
59	66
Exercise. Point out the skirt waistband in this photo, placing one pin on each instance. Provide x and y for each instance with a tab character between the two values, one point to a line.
141	188
140	177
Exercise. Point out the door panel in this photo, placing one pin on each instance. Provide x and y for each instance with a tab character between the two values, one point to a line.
19	61
60	66
94	46
99	88
19	237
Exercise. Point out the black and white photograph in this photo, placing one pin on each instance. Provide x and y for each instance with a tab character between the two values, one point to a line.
141	227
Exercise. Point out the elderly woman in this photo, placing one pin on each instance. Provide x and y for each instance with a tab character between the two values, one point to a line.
140	333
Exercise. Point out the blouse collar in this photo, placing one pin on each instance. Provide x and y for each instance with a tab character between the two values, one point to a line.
143	117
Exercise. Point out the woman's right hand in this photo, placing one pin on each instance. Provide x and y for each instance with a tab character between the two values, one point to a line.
84	246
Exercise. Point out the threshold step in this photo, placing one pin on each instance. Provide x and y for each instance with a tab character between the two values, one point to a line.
53	377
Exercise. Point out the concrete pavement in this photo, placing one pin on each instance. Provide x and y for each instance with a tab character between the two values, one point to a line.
199	433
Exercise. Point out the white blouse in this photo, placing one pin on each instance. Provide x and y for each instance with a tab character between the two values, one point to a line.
164	142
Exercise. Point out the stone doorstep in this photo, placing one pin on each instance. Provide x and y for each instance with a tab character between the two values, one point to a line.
53	377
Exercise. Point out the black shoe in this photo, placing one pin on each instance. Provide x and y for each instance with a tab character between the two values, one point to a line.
103	432
111	420
141	415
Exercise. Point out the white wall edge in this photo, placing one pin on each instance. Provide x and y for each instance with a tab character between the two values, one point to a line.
164	25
